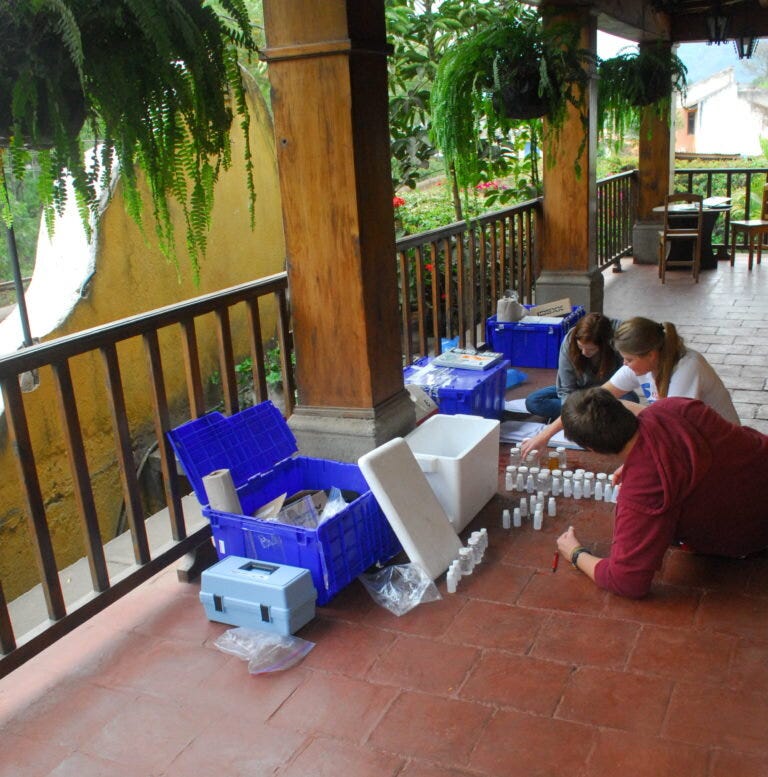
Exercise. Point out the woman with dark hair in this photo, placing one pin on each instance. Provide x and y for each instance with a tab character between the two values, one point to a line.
587	358
658	364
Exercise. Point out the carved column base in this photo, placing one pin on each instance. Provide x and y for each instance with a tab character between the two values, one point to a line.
345	434
583	288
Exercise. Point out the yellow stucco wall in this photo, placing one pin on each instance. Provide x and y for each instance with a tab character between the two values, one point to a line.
130	277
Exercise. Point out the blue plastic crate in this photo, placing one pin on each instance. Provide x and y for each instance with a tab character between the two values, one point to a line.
470	392
257	447
530	345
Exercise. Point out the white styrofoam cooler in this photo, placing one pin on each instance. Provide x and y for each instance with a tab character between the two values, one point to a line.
459	454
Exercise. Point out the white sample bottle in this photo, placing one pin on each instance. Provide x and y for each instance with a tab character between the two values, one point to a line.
589	481
538	518
466	561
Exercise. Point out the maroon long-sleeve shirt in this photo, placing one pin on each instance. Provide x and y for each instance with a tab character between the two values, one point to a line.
692	477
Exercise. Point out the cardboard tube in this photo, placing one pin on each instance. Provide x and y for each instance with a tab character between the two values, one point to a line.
221	492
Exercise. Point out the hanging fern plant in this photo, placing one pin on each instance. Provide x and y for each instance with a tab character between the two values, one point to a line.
633	80
156	85
510	72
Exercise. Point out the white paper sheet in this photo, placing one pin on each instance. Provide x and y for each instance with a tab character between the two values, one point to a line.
517	431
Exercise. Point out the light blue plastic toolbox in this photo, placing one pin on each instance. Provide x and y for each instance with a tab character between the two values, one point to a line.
258	595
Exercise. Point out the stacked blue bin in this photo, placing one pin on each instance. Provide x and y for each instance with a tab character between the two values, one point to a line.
456	391
531	344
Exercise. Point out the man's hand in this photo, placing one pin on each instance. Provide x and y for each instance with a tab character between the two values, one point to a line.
616	477
567	543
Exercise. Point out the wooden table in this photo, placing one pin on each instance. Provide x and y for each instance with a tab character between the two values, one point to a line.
682	250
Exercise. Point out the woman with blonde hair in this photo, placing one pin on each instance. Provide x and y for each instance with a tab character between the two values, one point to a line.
657	364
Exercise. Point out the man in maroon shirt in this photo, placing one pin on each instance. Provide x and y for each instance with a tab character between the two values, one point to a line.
688	476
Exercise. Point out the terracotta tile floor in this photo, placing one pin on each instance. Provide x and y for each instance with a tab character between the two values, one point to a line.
522	672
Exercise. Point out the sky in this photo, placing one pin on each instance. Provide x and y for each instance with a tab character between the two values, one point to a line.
701	59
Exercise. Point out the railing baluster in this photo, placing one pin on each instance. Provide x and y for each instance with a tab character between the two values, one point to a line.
405	307
192	368
496	285
436	285
286	348
227	362
7	640
81	482
25	460
131	492
421	313
460	297
472	250
449	286
162	427
258	373
483	271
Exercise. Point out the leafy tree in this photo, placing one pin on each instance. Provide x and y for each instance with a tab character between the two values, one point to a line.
757	67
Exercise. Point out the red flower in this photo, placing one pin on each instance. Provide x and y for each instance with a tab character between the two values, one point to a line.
429	267
398	202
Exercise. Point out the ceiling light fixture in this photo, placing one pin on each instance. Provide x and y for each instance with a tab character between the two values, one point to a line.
745	46
717	24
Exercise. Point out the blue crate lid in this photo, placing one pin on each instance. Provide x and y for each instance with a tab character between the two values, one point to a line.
250	442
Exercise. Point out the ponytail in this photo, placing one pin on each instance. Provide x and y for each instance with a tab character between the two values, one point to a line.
639	336
672	350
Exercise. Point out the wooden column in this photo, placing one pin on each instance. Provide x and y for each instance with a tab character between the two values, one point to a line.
654	177
567	239
328	71
654	158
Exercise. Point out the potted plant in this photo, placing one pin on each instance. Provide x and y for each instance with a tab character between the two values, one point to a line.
156	85
513	70
633	80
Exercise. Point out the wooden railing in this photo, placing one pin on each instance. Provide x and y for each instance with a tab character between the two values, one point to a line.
744	185
167	329
450	278
616	215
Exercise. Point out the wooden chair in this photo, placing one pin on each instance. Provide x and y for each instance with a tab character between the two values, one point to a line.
683	219
754	231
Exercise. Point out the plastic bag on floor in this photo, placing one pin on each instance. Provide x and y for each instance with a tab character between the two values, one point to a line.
400	587
263	650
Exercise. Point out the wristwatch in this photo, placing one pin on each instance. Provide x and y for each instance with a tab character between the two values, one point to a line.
576	553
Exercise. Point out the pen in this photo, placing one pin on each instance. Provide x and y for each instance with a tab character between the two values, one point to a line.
555	561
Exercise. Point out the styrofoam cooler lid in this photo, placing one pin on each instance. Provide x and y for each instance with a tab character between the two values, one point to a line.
249	442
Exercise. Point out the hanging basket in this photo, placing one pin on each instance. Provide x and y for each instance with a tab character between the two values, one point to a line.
52	96
67	114
520	100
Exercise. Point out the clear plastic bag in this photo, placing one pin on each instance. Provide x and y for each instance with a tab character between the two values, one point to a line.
263	650
400	587
335	504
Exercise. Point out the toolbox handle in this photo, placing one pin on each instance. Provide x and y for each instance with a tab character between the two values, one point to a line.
427	463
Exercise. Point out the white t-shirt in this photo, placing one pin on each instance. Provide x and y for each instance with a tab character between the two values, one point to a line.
693	376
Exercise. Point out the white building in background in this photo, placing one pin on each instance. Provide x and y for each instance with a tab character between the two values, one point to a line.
720	116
